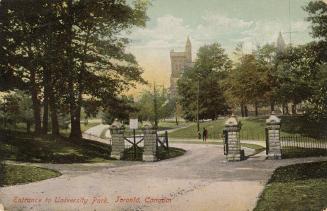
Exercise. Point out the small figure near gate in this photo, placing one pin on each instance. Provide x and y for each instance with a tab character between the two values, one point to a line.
205	134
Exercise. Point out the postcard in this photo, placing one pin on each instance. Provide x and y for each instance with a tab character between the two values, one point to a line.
172	105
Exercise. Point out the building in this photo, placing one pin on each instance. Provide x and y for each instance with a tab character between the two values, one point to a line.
280	45
180	61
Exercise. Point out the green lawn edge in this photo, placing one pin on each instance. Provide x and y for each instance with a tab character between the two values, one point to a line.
12	174
296	187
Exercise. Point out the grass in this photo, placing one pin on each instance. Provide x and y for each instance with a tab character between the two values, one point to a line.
53	150
302	152
162	154
18	174
252	128
168	124
296	187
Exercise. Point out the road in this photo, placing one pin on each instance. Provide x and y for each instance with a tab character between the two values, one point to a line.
199	180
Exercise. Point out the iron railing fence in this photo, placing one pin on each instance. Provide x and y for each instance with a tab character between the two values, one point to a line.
303	146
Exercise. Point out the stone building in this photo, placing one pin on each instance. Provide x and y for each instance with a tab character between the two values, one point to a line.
280	45
180	61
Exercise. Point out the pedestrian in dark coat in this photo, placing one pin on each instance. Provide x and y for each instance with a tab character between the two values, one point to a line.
205	134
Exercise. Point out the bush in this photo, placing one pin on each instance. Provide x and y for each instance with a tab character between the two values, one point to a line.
304	125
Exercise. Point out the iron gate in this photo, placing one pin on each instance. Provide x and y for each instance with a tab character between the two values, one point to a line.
134	143
225	133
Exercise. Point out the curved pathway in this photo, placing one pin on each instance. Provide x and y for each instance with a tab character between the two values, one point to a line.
199	180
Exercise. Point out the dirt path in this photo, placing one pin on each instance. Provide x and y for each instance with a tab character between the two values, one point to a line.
199	180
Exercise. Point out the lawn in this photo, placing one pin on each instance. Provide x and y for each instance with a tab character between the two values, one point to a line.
46	149
296	187
302	152
253	128
18	174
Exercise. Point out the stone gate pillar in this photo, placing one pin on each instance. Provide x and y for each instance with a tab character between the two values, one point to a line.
118	142
150	145
273	136
232	128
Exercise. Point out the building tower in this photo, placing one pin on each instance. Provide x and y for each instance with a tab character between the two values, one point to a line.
281	46
179	62
188	50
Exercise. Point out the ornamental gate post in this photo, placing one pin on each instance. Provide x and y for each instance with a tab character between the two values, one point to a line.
273	137
118	142
150	144
233	145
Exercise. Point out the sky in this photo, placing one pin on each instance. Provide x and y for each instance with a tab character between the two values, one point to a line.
253	22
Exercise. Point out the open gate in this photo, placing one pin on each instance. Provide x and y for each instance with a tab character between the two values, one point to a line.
134	143
225	133
162	142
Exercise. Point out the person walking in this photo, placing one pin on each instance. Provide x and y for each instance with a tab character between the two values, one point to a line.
204	134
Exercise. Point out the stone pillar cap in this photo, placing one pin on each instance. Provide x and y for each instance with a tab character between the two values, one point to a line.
232	121
147	125
273	119
116	124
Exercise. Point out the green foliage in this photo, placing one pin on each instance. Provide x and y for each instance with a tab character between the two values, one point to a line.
304	125
317	11
16	107
247	82
154	105
120	109
316	108
65	50
296	73
19	174
296	187
204	81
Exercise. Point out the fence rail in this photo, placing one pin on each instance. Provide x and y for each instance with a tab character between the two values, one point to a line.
293	146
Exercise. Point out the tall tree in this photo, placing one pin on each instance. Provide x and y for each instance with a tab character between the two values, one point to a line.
205	77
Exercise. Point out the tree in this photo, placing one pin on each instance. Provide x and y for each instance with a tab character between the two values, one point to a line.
120	109
206	76
296	73
16	107
67	51
154	105
246	83
316	108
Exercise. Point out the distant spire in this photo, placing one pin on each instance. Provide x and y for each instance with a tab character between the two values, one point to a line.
281	46
188	50
188	41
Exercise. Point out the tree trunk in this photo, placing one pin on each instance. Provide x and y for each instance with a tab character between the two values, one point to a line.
75	117
54	115
28	127
242	110
256	108
293	109
45	122
246	111
35	104
272	106
75	132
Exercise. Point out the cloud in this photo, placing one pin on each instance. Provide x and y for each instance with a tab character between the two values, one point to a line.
151	45
263	32
165	34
